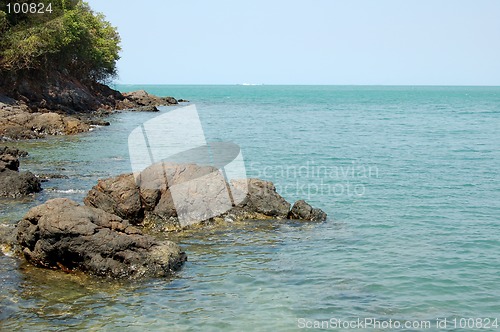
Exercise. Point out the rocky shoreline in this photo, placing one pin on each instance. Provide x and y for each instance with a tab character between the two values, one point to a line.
107	235
60	105
19	121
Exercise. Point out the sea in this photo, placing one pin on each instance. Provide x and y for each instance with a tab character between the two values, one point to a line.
409	177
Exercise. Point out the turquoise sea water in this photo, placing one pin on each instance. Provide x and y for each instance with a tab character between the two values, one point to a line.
408	175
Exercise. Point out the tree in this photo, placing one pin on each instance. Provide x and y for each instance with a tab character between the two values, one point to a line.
72	39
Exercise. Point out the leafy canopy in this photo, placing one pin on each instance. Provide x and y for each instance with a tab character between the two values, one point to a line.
71	39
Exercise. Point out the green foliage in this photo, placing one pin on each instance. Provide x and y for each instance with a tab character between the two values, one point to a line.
3	21
72	39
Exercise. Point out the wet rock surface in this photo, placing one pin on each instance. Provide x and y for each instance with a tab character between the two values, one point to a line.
301	210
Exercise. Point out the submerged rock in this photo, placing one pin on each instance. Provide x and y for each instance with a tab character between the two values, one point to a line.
49	176
145	109
61	234
7	239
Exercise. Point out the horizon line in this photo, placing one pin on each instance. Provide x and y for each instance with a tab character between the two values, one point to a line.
303	84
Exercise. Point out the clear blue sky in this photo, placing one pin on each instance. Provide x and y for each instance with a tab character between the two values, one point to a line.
435	42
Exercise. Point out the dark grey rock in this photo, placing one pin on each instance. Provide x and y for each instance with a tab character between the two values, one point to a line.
16	184
8	161
61	234
12	182
4	100
303	211
150	108
13	151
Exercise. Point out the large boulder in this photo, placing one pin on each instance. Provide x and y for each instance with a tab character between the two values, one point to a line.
61	234
150	193
192	193
118	195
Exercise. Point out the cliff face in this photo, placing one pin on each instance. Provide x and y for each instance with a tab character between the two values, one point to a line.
33	105
58	92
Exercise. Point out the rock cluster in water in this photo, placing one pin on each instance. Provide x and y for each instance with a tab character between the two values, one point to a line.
104	237
148	197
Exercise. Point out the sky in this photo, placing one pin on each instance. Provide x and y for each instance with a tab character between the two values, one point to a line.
338	42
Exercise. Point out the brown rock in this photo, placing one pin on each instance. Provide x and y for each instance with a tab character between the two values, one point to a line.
261	198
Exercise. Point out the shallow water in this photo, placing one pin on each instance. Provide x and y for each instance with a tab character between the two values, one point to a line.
408	176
